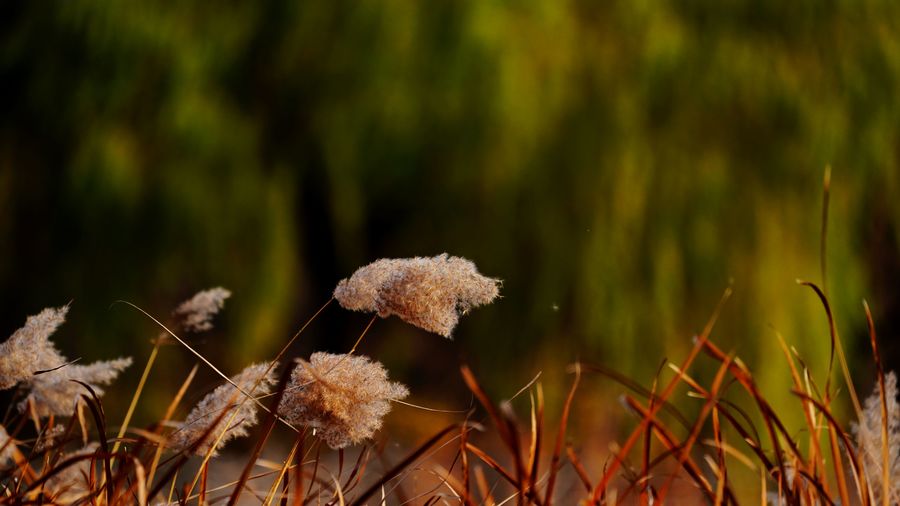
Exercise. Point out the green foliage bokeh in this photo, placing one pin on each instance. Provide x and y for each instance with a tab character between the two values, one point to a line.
616	163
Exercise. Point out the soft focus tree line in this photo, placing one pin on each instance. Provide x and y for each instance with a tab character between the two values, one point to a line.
616	163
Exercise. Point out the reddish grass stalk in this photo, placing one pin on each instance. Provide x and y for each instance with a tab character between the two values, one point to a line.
671	442
772	422
579	469
885	450
685	449
466	486
667	392
506	428
561	436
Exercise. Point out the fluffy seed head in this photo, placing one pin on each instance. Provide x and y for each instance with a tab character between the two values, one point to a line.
197	312
344	397
29	349
219	406
870	442
429	293
55	392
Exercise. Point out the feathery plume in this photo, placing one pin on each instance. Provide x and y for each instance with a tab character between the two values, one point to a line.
7	446
219	406
429	293
344	397
197	312
870	443
72	483
29	349
57	393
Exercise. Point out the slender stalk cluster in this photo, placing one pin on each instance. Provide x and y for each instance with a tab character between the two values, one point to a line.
429	293
343	397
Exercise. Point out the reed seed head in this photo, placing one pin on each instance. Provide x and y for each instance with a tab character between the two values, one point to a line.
430	293
29	349
57	393
196	313
218	407
343	397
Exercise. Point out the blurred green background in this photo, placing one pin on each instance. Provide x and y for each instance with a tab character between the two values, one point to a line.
617	164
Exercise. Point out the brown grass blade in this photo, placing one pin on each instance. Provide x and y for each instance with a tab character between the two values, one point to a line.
579	469
561	436
836	346
500	422
879	368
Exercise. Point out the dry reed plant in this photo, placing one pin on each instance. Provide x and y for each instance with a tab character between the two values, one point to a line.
343	397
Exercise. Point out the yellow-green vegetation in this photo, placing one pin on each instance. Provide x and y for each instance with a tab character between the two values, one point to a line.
616	162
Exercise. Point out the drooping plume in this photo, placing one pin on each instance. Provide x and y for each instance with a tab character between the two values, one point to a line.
57	393
29	349
429	293
219	406
196	313
344	397
870	443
